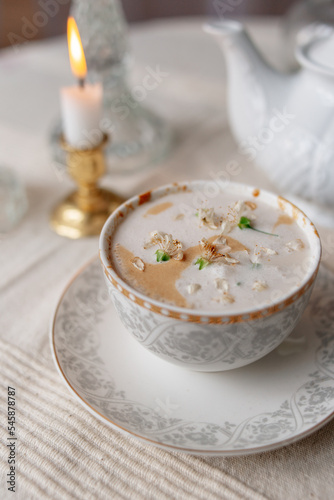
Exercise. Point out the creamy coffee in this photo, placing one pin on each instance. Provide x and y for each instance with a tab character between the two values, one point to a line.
226	254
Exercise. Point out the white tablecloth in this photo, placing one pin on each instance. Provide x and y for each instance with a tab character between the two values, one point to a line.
64	452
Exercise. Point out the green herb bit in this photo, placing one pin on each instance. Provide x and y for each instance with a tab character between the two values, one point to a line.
245	223
202	263
239	283
162	256
256	265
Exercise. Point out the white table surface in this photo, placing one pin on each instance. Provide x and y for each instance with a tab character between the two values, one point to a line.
36	264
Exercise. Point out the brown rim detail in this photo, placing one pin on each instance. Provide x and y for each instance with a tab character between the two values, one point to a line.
144	197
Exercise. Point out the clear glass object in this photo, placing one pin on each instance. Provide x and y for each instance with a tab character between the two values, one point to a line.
13	200
301	14
139	136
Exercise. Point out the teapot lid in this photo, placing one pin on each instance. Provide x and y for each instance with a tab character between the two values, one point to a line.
315	48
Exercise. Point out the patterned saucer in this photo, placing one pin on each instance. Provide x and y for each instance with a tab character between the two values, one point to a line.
268	404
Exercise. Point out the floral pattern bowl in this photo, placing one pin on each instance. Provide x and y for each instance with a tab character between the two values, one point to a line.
202	340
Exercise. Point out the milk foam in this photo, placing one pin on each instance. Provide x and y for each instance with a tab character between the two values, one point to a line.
260	278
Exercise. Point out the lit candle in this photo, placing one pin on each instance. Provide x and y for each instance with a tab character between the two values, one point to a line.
81	105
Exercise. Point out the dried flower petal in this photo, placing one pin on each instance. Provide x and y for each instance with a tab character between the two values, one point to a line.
231	260
259	285
193	288
251	205
268	251
226	226
138	263
257	253
221	284
207	217
256	256
179	216
220	240
225	298
295	245
228	298
239	207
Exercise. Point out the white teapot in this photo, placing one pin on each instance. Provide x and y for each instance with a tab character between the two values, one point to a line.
284	122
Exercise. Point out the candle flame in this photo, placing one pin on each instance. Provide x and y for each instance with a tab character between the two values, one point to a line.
76	53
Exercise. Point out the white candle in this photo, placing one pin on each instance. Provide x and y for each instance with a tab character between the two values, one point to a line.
81	109
81	105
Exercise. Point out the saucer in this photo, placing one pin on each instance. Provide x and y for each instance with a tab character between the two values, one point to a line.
265	405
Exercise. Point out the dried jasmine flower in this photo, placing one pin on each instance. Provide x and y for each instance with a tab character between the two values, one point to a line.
209	250
168	248
138	263
210	255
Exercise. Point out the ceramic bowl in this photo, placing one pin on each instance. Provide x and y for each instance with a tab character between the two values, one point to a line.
203	340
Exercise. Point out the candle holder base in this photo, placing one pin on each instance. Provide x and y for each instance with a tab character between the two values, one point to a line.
71	221
84	212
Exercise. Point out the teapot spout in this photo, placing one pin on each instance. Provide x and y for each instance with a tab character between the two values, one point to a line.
251	82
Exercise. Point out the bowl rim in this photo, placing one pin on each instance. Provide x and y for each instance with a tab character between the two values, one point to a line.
204	316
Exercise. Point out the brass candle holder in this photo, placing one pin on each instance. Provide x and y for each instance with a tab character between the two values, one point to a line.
84	211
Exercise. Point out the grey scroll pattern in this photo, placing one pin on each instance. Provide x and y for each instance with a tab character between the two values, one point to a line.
77	346
206	347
